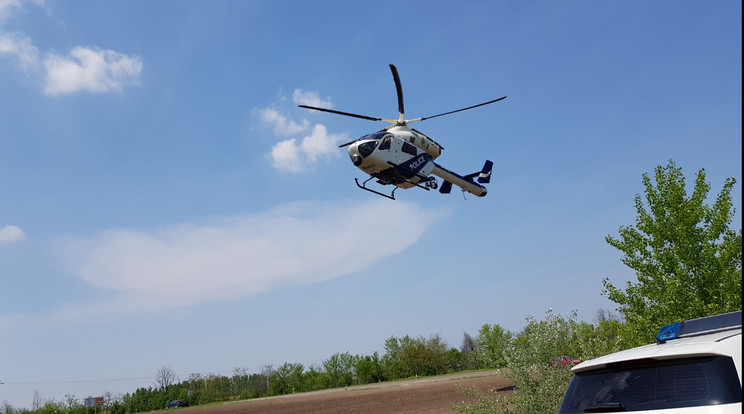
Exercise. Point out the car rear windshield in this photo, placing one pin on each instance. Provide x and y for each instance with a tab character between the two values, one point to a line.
654	385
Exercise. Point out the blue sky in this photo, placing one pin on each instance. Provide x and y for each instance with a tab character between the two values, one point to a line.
163	200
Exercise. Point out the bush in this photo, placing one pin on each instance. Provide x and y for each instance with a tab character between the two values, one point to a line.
539	385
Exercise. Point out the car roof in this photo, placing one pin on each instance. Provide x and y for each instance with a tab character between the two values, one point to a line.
712	344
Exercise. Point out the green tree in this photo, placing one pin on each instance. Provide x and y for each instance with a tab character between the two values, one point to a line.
369	368
422	356
407	357
340	369
286	379
455	360
686	258
591	341
315	378
490	345
240	382
469	349
392	367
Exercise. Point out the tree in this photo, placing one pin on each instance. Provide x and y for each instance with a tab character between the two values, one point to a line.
264	384
491	343
6	407
605	315
340	369
369	368
687	259
422	356
240	382
71	401
392	367
315	378
468	350
539	385
591	341
37	401
406	357
165	377
287	379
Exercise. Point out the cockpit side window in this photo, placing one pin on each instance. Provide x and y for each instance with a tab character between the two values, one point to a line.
409	149
386	141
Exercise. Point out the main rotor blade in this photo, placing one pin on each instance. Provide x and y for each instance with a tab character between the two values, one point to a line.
348	143
457	110
399	92
369	118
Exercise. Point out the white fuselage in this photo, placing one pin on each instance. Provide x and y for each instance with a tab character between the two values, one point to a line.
411	151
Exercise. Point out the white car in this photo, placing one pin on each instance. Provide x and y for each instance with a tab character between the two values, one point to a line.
695	367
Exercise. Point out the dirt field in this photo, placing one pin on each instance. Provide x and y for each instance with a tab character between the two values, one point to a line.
424	395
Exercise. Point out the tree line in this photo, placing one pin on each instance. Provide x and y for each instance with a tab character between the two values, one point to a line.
404	357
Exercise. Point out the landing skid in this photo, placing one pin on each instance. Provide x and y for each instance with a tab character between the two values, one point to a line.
363	186
429	184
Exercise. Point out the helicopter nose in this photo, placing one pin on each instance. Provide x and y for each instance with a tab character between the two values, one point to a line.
356	160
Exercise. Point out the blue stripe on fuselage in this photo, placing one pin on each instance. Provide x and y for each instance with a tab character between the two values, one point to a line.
414	165
403	171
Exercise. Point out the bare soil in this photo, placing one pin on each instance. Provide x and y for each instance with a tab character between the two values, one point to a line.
414	396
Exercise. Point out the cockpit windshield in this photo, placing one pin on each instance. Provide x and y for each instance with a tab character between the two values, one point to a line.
366	148
374	135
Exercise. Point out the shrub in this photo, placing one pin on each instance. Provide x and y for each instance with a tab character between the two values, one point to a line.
539	385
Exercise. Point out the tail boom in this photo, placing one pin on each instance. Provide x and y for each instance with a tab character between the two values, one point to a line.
466	183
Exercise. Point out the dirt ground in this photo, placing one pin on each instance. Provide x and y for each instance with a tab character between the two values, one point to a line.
423	395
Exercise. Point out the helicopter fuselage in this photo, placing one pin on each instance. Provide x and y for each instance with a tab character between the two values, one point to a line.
404	158
398	156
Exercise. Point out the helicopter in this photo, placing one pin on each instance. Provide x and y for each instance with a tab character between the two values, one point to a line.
401	156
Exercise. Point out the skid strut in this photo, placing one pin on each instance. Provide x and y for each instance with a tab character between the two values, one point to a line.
363	186
430	183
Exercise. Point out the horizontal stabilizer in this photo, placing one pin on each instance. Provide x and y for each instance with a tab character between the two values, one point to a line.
446	187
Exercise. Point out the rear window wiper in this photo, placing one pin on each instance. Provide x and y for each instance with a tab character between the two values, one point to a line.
610	407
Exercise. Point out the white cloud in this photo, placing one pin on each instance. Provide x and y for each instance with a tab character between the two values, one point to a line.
320	143
87	69
283	126
289	156
240	256
296	155
9	7
286	156
83	69
19	46
10	234
91	70
310	98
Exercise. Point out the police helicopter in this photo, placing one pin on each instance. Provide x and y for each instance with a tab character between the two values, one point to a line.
404	157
